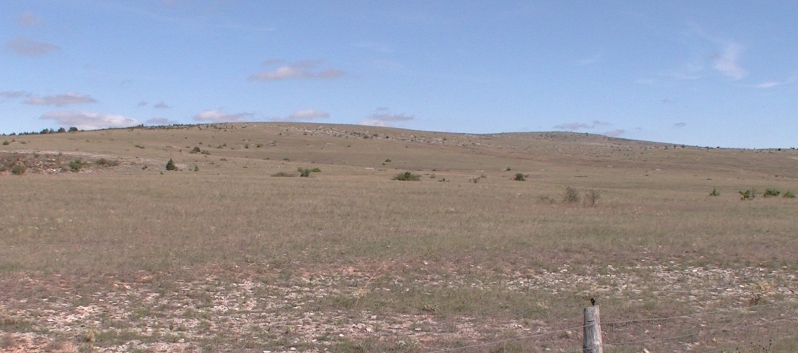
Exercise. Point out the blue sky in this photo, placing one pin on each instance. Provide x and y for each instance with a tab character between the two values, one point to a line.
707	73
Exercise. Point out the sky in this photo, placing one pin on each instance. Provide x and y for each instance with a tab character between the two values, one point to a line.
703	73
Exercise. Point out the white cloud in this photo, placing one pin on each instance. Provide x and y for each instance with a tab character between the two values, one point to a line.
297	70
308	114
614	133
161	105
60	100
29	47
29	19
89	121
374	122
161	121
727	60
218	116
383	117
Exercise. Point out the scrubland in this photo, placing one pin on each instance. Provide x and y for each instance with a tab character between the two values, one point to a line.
103	249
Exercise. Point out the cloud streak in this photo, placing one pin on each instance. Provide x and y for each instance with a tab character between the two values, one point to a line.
383	117
29	19
218	116
579	126
308	114
89	120
28	47
297	70
60	100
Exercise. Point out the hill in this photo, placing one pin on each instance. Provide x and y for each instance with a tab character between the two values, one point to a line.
502	236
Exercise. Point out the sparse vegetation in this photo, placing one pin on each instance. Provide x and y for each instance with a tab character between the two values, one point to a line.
714	192
283	175
106	162
6	143
789	195
591	197
749	194
170	165
18	169
519	177
570	195
407	176
196	149
304	172
771	192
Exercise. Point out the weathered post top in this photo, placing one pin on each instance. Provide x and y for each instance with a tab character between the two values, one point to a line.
592	328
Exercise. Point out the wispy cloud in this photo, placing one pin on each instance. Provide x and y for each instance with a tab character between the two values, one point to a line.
161	105
383	117
726	61
579	126
29	19
767	84
218	116
88	120
142	104
680	124
593	60
297	70
29	47
614	133
308	114
60	100
14	94
161	121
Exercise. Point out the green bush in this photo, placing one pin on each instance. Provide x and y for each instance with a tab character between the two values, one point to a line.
195	150
789	194
76	165
18	169
316	170
6	143
407	176
570	195
771	192
715	192
303	172
171	165
519	177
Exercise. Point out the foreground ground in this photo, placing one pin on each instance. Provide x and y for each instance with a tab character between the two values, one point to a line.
221	255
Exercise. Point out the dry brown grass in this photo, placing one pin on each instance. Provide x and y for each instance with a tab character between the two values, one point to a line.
362	262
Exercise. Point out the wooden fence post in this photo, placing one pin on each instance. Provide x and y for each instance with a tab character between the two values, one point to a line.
592	328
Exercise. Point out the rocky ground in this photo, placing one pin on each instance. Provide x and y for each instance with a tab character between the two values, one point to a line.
340	310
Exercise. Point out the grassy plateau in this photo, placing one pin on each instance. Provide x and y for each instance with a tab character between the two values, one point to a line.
271	237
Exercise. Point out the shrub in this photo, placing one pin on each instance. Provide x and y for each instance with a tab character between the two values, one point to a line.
715	192
303	172
171	165
591	197
196	168
316	170
283	174
18	169
76	165
6	143
570	195
388	160
749	194
407	176
73	129
789	194
195	150
519	177
770	192
61	130
106	162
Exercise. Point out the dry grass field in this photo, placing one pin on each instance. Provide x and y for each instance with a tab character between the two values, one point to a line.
104	250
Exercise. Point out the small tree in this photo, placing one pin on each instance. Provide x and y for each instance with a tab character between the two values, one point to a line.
171	165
